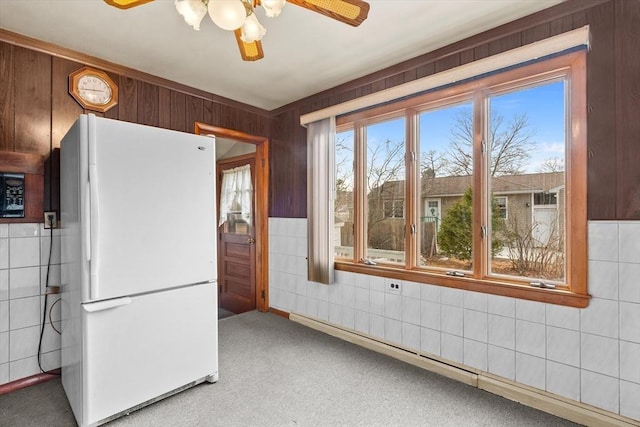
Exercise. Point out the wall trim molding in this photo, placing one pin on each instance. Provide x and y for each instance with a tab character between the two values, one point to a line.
539	399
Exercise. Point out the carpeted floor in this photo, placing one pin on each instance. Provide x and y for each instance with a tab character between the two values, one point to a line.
274	372
223	314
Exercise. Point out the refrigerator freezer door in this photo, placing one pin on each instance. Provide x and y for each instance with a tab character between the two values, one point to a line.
152	345
152	209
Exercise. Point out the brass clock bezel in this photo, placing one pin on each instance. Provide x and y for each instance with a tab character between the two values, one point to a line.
74	79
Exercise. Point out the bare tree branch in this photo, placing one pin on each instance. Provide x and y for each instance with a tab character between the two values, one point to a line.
431	164
509	144
552	164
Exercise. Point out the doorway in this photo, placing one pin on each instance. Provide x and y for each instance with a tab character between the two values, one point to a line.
236	233
242	250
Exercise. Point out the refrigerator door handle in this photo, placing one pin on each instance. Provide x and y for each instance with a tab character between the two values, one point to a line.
106	305
87	225
95	230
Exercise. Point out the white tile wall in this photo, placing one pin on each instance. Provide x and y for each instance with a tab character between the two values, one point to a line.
430	315
25	282
563	346
628	276
563	380
475	354
24	253
411	311
502	361
601	318
502	331
475	325
4	285
393	330
4	316
430	341
630	362
563	317
502	306
629	243
600	390
589	355
530	370
451	347
530	338
630	321
4	253
600	354
629	398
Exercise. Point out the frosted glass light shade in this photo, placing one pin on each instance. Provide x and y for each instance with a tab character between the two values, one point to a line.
227	14
192	11
272	7
252	30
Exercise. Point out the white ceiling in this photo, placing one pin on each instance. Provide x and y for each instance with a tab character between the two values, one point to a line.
305	53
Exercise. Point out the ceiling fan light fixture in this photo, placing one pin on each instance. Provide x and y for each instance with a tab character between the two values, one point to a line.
272	7
228	14
192	11
252	30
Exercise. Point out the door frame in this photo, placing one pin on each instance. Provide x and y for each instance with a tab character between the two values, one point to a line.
261	204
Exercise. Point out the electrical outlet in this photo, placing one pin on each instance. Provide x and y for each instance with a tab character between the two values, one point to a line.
394	288
50	220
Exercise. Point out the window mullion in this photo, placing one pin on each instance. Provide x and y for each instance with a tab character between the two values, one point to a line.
480	186
411	190
360	206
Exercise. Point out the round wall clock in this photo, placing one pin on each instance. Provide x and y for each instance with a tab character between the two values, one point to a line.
93	89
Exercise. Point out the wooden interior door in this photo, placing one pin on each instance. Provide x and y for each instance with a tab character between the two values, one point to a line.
237	250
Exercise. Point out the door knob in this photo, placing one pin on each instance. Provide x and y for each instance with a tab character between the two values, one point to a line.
251	240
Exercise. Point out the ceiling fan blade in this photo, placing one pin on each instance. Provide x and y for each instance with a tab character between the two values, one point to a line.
249	51
352	12
126	4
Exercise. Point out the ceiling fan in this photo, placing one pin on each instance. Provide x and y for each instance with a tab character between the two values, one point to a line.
239	16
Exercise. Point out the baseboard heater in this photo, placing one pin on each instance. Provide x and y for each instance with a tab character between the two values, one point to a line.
539	399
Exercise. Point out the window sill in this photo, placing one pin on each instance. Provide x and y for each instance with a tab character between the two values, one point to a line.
551	296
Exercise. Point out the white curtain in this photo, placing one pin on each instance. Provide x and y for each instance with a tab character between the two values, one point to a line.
236	194
320	199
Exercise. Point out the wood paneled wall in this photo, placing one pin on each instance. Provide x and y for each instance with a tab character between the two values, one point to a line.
37	110
613	100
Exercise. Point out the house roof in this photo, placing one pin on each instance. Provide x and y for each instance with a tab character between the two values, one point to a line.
506	184
447	186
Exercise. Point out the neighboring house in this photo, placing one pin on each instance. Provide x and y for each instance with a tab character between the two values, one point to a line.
526	202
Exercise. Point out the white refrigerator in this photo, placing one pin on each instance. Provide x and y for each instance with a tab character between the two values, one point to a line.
139	300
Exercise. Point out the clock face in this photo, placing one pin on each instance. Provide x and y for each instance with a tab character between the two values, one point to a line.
94	90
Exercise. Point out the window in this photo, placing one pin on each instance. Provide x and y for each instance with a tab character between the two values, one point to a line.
479	172
544	199
385	169
394	208
344	212
501	203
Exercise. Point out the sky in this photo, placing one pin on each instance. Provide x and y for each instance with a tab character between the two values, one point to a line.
543	106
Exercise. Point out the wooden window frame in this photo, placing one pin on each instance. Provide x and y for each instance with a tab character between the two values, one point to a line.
569	66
